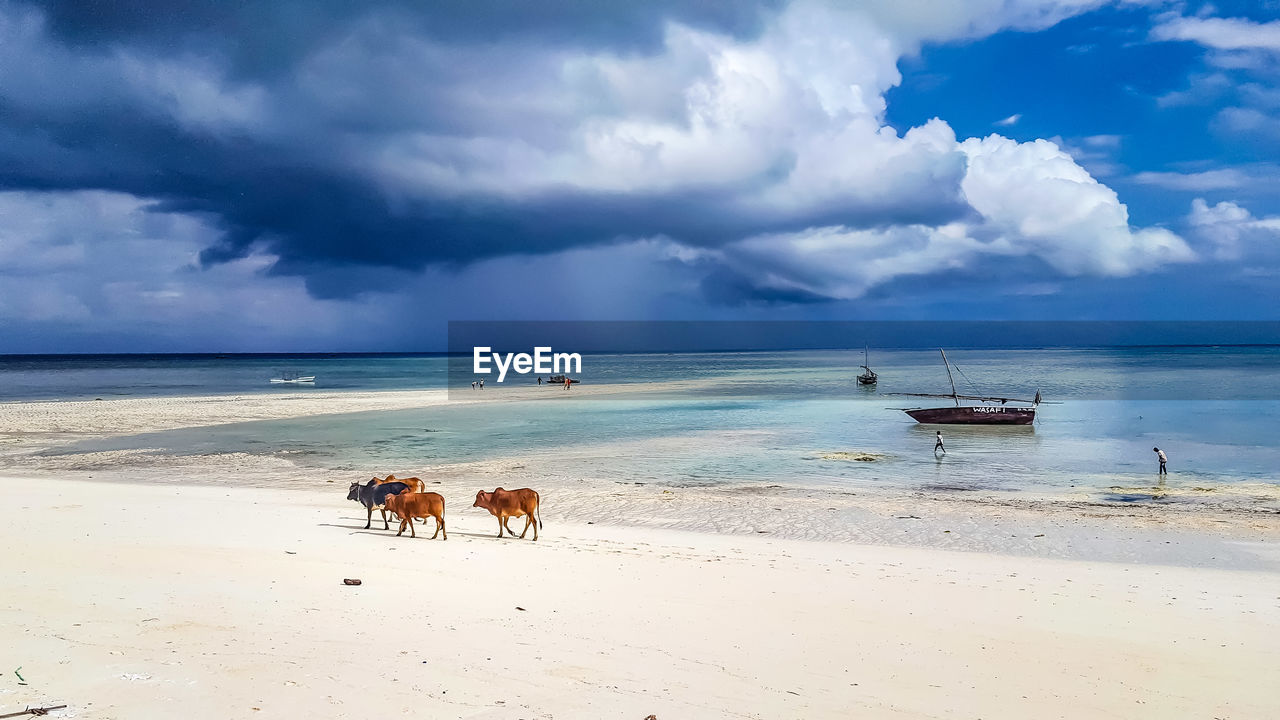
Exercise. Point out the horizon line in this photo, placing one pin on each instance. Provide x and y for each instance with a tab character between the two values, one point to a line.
441	353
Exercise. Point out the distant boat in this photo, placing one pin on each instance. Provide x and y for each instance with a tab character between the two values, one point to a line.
293	378
993	411
559	380
868	377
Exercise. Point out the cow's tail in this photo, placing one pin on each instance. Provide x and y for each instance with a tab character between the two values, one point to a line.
539	511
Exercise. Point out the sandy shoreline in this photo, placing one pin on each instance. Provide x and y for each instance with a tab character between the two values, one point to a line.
154	413
1243	533
143	583
135	601
151	414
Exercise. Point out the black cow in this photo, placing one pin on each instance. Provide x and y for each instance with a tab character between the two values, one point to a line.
372	495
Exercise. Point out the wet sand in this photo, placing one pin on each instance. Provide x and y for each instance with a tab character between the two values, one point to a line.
1236	526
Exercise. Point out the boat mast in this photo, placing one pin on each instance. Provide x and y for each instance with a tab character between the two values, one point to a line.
954	396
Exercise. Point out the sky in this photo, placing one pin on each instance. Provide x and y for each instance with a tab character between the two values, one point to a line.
205	176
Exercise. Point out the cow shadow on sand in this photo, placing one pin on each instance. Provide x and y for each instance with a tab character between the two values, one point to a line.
484	536
359	529
394	525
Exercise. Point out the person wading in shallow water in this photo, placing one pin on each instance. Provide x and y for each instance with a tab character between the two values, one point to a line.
1163	459
938	445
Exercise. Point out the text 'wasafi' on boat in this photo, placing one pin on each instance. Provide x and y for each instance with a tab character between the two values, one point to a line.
990	411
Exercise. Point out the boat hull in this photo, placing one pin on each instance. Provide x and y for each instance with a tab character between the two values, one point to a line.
974	415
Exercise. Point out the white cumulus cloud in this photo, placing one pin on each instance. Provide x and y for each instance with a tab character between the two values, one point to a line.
1031	201
1035	196
1220	33
86	260
1231	229
1197	181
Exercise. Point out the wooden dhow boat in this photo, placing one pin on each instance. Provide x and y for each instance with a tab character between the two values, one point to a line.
991	411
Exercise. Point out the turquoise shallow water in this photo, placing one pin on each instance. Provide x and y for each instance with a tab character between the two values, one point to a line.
772	417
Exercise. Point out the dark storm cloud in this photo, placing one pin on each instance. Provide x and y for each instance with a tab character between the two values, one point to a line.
262	35
273	180
100	114
728	287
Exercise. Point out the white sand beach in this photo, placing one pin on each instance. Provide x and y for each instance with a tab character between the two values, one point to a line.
150	602
211	587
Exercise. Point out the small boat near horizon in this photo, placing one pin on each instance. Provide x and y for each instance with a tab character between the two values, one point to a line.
293	378
869	377
992	411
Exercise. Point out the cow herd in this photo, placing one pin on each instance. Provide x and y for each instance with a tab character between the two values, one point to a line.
407	499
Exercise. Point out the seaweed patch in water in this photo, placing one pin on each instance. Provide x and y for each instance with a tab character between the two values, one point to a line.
1131	497
953	488
854	456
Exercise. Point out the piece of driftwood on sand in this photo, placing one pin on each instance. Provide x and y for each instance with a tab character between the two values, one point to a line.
33	711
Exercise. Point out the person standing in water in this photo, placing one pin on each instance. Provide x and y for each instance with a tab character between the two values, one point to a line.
938	445
1163	459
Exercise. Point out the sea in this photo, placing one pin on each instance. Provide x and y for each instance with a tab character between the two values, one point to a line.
771	418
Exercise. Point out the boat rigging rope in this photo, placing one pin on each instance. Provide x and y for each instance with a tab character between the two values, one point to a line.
966	378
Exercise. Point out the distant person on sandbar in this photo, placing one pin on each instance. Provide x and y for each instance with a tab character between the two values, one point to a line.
1163	459
938	445
568	384
539	379
482	384
473	384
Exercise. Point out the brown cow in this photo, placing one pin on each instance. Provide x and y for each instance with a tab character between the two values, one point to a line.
412	505
506	504
415	484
